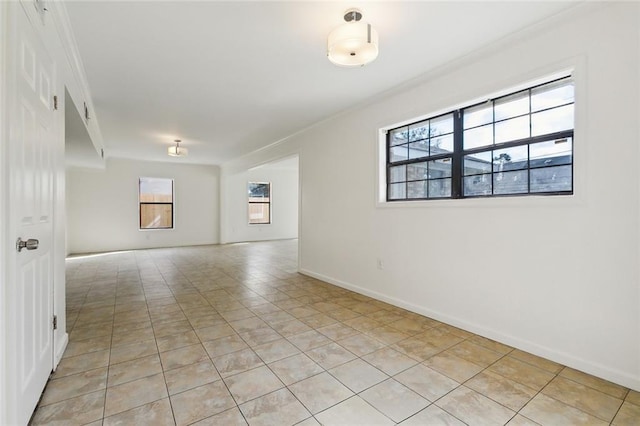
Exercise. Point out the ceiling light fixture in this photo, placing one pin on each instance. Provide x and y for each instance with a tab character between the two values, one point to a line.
354	43
177	151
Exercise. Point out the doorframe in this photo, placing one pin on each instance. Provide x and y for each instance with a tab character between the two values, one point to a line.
4	186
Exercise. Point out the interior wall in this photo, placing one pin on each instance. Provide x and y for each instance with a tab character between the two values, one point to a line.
283	175
556	276
102	206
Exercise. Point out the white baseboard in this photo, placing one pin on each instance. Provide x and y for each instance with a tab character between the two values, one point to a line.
611	374
59	349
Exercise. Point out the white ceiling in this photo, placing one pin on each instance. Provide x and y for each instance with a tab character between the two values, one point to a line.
230	77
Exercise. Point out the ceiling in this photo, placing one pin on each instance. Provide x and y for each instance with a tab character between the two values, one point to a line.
231	77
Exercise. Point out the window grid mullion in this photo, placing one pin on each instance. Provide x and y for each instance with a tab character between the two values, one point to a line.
457	167
457	157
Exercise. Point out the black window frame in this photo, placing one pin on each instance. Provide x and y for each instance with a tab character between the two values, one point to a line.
249	202
458	153
141	203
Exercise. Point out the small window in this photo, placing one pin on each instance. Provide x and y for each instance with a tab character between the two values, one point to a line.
156	203
518	144
259	203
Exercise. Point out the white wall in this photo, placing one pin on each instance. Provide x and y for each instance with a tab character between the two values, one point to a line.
556	276
283	175
102	206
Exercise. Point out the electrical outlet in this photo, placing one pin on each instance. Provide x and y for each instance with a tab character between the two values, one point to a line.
380	264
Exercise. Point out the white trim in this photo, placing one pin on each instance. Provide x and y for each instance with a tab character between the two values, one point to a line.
4	419
59	348
598	370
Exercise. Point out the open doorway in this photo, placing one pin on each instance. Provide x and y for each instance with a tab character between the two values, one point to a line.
271	191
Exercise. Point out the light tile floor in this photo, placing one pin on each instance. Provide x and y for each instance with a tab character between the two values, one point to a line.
226	335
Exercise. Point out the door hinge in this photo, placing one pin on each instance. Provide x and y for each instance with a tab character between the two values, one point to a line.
55	103
55	322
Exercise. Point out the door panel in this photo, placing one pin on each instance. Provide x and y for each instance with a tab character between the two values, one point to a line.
32	138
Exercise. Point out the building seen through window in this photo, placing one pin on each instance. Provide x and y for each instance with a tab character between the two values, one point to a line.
517	144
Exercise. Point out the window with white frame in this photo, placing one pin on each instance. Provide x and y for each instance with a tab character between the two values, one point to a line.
259	203
517	144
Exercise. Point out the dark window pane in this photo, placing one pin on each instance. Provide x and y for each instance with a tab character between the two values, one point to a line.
441	144
511	182
512	105
441	125
477	185
551	179
440	168
153	216
478	115
259	213
477	163
399	136
397	191
417	189
419	149
510	159
439	188
419	131
398	174
552	120
553	94
513	129
480	136
551	153
399	153
417	171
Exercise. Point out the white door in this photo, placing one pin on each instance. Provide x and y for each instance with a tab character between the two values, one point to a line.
31	147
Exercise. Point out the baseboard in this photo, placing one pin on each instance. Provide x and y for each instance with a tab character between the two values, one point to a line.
611	374
59	349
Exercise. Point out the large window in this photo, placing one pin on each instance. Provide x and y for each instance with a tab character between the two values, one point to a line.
156	203
259	203
518	144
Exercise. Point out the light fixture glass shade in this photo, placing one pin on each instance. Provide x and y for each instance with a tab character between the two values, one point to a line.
177	151
353	44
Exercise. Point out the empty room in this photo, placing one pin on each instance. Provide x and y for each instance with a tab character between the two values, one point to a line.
320	212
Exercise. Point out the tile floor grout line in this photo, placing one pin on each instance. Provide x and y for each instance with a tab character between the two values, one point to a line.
164	378
187	275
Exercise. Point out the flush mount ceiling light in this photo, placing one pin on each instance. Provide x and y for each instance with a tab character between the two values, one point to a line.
354	43
177	151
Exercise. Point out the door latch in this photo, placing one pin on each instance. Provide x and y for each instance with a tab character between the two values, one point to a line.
30	244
